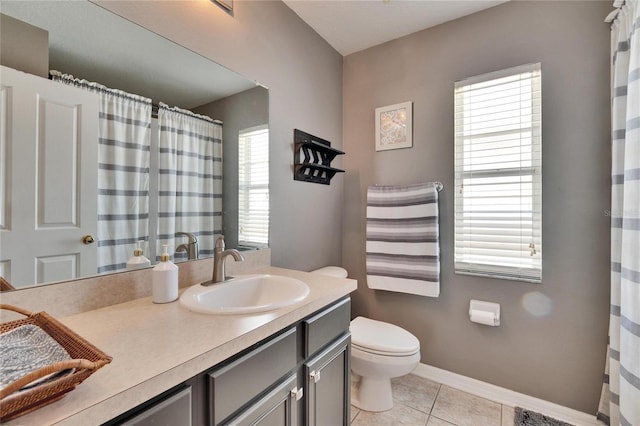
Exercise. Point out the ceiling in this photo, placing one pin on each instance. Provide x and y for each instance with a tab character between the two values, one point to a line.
347	25
353	25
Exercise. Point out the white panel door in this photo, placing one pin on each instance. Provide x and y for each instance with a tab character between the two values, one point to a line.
49	149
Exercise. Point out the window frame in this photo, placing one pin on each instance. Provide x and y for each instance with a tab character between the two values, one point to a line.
250	189
473	167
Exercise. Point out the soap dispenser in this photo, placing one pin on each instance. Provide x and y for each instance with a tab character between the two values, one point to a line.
164	279
138	261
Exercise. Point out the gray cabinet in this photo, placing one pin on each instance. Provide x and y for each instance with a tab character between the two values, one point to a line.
325	326
234	385
171	410
329	385
326	368
299	376
321	346
277	408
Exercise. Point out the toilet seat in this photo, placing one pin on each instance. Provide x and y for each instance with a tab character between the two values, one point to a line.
382	353
380	338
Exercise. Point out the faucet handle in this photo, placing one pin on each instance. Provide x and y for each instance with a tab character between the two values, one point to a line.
220	243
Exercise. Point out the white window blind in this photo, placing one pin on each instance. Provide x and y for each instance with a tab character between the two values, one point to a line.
498	174
253	187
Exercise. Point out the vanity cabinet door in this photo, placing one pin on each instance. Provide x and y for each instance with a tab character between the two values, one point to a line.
328	385
277	408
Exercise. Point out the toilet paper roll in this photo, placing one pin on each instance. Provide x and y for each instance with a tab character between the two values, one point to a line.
483	317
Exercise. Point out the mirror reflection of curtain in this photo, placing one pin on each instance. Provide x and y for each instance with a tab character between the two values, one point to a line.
123	171
190	178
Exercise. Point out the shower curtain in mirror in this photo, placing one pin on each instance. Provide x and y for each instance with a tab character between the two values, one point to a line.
190	179
620	403
123	172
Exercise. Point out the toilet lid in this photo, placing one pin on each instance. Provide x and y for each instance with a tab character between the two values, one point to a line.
382	338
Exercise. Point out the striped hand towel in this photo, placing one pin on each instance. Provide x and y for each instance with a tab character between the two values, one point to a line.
403	251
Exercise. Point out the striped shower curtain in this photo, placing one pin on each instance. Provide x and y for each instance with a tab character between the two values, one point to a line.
123	172
190	178
620	403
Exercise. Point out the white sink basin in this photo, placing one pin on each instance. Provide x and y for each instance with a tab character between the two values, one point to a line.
245	294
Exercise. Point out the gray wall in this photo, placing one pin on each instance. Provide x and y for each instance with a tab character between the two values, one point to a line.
267	42
24	47
558	356
238	112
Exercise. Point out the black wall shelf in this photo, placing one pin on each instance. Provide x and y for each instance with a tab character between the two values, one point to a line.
316	165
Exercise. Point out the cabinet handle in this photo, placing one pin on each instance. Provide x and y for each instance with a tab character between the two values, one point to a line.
297	393
315	376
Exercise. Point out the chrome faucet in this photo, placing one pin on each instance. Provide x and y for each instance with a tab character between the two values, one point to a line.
191	247
219	256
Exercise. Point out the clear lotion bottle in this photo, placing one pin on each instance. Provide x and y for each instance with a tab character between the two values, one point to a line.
164	279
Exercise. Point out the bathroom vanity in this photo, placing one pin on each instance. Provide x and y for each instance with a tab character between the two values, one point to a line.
287	366
299	376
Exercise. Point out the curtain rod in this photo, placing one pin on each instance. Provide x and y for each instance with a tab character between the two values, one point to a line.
156	107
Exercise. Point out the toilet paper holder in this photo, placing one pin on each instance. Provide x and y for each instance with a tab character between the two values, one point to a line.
486	313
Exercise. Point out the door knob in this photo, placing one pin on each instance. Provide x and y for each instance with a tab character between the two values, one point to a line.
87	239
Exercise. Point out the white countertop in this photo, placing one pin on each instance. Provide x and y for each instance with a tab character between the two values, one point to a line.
155	347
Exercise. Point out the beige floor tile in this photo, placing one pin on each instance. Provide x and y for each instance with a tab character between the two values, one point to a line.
508	415
464	409
434	421
354	412
354	394
415	392
399	415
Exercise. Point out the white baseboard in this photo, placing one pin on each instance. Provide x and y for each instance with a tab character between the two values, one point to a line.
505	396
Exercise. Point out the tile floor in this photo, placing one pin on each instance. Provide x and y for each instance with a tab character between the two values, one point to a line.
421	402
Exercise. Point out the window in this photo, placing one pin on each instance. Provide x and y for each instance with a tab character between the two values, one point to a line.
498	175
253	187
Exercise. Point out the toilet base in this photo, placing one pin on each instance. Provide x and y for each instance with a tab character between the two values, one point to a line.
372	395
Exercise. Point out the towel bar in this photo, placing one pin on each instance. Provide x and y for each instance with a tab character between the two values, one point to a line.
439	185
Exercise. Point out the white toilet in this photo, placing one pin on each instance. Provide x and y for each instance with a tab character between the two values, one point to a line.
379	352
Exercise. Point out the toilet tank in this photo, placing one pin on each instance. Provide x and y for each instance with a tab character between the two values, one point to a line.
332	271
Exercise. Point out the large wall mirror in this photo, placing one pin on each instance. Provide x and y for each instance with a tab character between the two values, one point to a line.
57	217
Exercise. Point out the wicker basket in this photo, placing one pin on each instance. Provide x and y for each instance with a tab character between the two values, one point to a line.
86	359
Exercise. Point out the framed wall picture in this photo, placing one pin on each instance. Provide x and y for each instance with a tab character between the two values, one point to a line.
394	126
227	5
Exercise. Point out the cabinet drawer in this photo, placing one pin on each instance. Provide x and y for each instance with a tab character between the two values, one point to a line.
322	328
170	411
278	407
238	383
